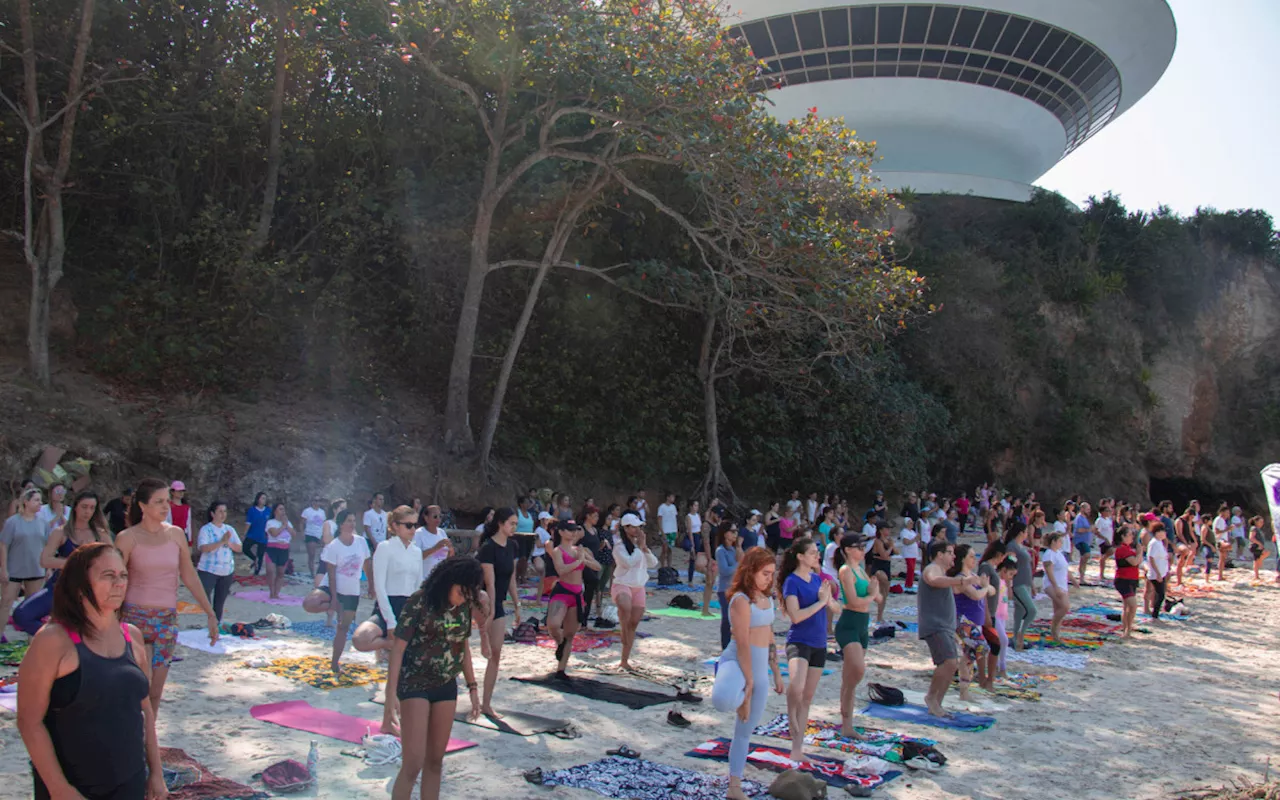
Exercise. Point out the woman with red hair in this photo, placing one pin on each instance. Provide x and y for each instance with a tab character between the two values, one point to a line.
742	672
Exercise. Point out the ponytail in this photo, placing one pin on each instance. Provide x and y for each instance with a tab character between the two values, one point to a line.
791	558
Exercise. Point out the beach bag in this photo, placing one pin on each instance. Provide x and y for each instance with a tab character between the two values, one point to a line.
668	576
681	601
885	695
796	785
286	777
526	632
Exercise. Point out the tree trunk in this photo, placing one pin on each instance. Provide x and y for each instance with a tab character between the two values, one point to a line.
457	417
716	483
263	232
44	233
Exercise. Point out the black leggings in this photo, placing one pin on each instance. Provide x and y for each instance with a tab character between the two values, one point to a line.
1161	588
216	588
590	585
255	552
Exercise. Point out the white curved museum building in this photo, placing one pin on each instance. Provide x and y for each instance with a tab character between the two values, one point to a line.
968	99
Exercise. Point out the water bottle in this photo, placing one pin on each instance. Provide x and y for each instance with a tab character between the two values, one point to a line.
313	759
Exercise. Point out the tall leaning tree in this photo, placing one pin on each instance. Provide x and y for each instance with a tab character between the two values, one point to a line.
49	124
558	90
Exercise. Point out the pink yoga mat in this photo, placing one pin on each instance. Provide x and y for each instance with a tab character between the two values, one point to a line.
263	596
302	716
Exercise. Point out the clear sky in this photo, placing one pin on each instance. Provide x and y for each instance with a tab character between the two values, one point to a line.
1208	134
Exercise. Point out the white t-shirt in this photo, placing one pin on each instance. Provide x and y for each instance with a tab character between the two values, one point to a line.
425	540
540	549
869	530
47	518
829	560
642	509
792	506
1060	567
695	523
911	550
276	534
349	561
1237	527
811	510
314	519
375	523
1220	530
1060	526
668	514
926	532
1106	527
1157	560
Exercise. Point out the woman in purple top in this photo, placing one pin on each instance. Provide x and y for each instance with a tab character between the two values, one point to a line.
971	614
807	598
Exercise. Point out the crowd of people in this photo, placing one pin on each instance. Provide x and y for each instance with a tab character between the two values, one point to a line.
107	580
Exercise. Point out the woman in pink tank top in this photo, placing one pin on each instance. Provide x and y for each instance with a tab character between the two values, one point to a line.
157	556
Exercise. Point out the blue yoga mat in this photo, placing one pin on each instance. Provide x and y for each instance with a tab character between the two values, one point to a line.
920	715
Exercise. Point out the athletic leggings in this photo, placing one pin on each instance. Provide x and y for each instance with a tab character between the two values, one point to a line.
725	635
1002	659
1024	609
255	552
216	588
1161	588
590	585
729	692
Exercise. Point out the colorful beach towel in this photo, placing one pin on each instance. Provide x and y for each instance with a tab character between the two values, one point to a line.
189	608
315	671
188	779
317	629
1058	659
11	653
640	779
831	771
820	733
909	712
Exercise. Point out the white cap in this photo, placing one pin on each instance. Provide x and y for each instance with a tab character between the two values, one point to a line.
632	520
544	515
755	512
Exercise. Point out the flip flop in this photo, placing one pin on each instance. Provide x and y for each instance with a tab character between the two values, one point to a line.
624	751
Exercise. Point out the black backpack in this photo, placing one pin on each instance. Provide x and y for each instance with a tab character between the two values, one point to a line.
681	601
885	695
668	576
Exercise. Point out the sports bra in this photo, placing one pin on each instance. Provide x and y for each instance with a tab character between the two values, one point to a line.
759	616
581	563
860	587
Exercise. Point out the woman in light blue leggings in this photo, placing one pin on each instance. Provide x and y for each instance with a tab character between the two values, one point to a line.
742	673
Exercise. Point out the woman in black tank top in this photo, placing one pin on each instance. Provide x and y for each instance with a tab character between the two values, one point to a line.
83	707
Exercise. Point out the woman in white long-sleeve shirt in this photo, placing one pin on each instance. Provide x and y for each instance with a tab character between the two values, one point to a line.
1158	566
632	562
397	573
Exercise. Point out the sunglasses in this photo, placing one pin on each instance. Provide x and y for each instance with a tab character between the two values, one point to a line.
406	524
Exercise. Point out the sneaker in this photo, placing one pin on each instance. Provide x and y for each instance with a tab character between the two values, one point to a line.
677	719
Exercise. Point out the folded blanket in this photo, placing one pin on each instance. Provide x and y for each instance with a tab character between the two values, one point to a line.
831	771
227	645
1049	658
627	778
871	742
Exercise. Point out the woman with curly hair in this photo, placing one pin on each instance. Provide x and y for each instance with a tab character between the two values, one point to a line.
430	650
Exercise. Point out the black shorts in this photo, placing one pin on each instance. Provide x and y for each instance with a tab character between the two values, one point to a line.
1127	587
397	603
525	542
875	565
444	693
1256	550
278	555
25	580
816	656
349	602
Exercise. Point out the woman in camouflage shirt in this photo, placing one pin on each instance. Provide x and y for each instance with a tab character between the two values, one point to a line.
431	648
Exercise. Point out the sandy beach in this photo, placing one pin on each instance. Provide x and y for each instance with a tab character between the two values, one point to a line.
1191	704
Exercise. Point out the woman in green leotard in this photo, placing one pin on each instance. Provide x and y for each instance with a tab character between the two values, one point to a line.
857	594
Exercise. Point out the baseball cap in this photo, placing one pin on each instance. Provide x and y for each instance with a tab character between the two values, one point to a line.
1149	517
755	512
632	520
178	486
544	515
